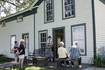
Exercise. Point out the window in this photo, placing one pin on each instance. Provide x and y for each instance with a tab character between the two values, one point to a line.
20	18
79	34
68	8
25	36
12	40
42	42
49	10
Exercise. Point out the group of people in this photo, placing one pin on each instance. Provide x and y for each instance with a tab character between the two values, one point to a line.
73	53
19	52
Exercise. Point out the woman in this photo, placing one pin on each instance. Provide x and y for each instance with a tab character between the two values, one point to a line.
21	53
75	54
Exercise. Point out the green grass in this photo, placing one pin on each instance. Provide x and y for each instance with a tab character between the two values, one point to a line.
33	68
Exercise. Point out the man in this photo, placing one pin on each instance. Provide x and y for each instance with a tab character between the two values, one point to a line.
49	52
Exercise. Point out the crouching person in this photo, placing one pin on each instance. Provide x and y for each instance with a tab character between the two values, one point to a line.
75	54
62	55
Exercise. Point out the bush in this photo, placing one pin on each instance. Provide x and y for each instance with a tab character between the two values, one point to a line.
99	61
4	59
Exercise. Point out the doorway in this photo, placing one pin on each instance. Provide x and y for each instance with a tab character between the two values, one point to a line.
58	36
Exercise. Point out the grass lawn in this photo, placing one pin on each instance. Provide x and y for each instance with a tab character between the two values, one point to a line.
34	68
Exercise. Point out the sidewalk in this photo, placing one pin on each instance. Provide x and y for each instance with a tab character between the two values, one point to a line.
94	68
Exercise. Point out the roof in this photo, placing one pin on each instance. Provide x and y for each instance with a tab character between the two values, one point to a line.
33	6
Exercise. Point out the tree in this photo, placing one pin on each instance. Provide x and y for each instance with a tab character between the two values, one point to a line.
8	7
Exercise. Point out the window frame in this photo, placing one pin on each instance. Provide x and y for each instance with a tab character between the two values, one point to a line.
39	40
45	16
85	43
20	18
11	46
63	9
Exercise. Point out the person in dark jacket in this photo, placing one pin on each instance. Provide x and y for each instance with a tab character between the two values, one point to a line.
15	50
21	53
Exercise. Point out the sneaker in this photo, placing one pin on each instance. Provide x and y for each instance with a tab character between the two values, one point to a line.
80	66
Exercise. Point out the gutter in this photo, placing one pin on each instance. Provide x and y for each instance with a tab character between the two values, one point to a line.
94	29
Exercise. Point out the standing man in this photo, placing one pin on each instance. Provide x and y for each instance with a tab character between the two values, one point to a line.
49	52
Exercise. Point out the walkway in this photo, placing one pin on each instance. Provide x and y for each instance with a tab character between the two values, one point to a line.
94	68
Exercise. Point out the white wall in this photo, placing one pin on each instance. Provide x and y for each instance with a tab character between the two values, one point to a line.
14	28
83	15
100	23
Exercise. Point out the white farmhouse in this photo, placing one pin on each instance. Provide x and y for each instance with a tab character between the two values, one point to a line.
63	20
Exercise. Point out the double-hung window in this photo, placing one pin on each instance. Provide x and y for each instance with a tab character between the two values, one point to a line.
68	8
49	10
12	40
42	42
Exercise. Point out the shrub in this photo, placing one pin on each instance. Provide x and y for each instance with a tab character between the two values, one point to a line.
4	59
99	61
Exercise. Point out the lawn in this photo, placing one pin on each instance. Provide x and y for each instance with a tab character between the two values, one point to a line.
34	68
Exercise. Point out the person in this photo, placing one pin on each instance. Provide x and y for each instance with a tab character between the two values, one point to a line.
15	50
21	53
75	54
62	54
49	52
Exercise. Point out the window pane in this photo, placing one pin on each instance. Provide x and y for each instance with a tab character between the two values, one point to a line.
68	8
49	9
12	39
43	37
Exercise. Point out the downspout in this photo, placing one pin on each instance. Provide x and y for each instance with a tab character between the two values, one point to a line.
94	28
34	34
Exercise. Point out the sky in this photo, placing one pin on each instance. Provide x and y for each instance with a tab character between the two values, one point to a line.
7	5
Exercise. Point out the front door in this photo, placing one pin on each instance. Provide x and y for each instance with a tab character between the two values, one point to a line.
25	36
58	36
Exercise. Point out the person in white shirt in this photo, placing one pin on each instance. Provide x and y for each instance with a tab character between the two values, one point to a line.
49	52
62	54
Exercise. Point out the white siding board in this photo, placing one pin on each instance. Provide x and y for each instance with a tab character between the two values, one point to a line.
14	28
100	23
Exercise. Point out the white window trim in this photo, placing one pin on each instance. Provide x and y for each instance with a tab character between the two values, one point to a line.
12	42
44	31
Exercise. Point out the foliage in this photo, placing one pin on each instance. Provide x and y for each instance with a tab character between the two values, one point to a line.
4	59
99	61
8	7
